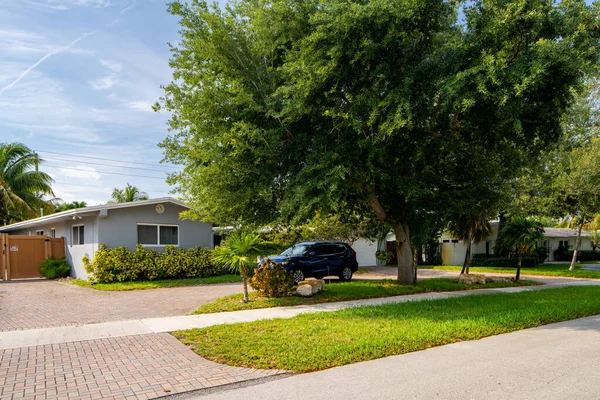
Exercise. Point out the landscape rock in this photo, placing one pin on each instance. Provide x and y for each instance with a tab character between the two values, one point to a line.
309	287
472	279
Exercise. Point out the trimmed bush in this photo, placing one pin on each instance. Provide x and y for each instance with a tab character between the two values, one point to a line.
54	268
271	280
121	264
478	261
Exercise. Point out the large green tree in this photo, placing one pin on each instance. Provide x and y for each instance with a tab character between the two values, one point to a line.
393	109
575	187
22	185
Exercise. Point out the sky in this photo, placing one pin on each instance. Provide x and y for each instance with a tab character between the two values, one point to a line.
77	81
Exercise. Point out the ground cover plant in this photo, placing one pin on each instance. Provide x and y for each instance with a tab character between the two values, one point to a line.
165	283
54	268
343	291
311	342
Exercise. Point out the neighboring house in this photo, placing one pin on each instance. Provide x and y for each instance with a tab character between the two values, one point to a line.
151	223
453	251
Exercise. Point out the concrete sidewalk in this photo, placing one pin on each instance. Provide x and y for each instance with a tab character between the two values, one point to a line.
557	361
47	336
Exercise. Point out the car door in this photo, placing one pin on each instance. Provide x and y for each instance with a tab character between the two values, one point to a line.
315	261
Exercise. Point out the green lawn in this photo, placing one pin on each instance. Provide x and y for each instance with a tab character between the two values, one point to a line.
542	269
141	285
311	342
342	291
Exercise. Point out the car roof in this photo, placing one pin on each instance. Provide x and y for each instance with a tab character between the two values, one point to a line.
321	242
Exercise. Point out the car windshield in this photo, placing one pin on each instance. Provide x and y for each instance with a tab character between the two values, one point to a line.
296	250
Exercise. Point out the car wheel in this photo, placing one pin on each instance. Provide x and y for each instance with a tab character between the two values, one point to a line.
346	274
298	276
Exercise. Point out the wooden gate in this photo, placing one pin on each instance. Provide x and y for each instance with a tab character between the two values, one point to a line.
22	256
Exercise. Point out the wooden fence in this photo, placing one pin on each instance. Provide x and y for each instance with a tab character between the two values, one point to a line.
22	256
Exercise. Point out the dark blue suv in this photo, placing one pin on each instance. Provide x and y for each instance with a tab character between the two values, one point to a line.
319	259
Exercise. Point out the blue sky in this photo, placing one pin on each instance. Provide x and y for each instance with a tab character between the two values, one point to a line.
79	77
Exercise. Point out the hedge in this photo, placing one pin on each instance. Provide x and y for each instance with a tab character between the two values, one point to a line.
584	255
483	260
121	264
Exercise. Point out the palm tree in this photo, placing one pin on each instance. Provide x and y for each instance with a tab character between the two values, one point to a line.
470	228
129	194
62	206
22	186
239	252
520	234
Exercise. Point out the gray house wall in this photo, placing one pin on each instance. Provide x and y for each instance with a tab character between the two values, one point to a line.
119	227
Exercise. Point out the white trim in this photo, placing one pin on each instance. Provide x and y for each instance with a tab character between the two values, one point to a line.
157	234
78	235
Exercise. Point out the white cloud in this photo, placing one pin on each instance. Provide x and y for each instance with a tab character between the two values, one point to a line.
82	173
104	83
62	5
112	65
141	105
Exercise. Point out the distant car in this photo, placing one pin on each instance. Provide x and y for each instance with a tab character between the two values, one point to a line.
319	259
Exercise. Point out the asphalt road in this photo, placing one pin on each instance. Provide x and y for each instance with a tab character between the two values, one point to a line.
558	361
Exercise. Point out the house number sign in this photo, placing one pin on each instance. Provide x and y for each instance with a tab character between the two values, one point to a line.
14	248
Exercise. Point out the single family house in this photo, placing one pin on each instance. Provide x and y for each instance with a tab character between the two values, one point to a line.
453	251
151	223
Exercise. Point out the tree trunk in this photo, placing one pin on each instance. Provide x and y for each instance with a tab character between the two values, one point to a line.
244	275
577	244
501	223
404	254
416	262
467	263
519	263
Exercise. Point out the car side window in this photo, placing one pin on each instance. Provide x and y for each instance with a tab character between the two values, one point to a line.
331	249
317	250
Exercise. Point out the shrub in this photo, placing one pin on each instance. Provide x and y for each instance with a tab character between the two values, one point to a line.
121	264
271	280
479	261
53	268
384	256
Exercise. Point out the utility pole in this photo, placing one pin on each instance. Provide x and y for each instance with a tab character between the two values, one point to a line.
37	161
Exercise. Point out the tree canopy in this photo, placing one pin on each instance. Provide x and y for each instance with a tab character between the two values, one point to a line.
393	109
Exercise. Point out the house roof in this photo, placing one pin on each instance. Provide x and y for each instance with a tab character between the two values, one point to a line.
87	210
563	233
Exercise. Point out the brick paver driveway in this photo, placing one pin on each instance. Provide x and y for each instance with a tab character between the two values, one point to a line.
132	367
35	304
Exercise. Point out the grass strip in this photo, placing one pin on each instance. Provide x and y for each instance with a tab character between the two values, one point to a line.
311	342
541	270
343	291
166	283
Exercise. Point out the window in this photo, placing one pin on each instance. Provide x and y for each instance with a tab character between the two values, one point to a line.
158	235
39	233
52	232
77	238
563	244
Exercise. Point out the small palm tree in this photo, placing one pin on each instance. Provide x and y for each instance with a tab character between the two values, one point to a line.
470	228
129	194
239	252
520	234
22	186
